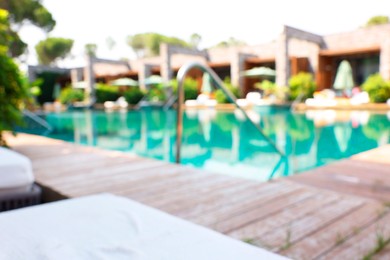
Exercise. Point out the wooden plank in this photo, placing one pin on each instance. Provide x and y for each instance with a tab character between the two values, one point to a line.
47	162
384	254
148	181
329	237
212	218
362	243
262	211
359	169
65	160
212	205
371	180
296	230
103	174
26	140
114	186
77	172
104	183
155	177
286	217
214	201
38	152
174	201
179	205
378	155
95	177
171	189
341	183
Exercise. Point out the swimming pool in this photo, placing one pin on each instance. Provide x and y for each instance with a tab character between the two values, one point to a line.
224	142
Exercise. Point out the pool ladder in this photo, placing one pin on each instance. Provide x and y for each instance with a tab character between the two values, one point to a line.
35	123
180	99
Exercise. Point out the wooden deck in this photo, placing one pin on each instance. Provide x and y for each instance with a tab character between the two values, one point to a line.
340	211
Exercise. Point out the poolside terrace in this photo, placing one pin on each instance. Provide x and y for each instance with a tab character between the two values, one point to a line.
340	211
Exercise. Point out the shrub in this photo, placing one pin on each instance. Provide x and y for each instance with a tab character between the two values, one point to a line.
33	90
12	95
190	88
267	87
106	93
69	95
156	93
270	89
220	95
13	91
133	95
377	88
301	85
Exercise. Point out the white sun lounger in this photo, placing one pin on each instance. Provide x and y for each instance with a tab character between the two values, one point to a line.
110	227
17	187
15	170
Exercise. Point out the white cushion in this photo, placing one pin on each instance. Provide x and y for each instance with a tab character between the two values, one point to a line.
202	98
15	170
360	98
191	102
253	97
111	227
242	102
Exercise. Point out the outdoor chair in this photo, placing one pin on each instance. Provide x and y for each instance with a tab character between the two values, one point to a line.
17	188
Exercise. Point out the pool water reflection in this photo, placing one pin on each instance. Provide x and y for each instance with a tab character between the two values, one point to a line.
225	142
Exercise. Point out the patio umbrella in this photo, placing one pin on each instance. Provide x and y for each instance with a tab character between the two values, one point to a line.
124	82
56	91
259	72
342	133
344	77
153	80
206	83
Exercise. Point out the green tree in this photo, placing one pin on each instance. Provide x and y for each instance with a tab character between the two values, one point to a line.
28	11
90	49
12	90
148	44
52	49
231	42
138	44
376	20
8	38
23	12
195	40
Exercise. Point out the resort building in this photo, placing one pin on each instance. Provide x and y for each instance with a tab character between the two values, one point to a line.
367	49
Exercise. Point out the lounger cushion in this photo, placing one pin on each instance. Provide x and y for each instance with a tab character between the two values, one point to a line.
105	226
15	170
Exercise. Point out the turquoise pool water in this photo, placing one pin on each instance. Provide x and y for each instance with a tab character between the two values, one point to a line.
225	142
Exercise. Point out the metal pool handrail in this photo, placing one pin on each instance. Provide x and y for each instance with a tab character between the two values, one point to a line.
296	101
180	92
38	120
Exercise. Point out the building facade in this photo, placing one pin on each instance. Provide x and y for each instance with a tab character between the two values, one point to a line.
367	49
